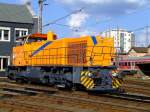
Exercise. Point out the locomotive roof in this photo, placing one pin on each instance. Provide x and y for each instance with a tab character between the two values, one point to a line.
36	35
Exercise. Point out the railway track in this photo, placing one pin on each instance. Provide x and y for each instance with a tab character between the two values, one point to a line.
137	89
129	86
131	96
137	86
86	98
37	94
34	91
66	99
25	91
145	83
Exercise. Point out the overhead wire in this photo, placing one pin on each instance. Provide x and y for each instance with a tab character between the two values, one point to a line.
64	25
105	21
140	28
61	18
76	29
127	14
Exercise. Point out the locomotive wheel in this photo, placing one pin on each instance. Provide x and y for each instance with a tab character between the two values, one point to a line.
45	80
11	76
74	88
121	90
20	81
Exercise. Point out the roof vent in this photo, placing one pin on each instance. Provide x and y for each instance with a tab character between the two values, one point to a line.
28	4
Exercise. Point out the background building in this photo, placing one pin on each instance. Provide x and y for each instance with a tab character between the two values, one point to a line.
15	21
123	40
139	51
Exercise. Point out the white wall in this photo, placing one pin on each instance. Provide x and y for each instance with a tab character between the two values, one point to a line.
125	42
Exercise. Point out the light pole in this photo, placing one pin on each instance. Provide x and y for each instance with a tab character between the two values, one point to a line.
40	2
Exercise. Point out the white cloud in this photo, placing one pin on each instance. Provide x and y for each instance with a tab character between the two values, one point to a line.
141	38
93	1
66	1
86	32
85	1
99	10
105	7
76	20
101	1
25	1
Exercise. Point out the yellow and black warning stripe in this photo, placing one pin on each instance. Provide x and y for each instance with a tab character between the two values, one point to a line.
86	81
116	83
121	81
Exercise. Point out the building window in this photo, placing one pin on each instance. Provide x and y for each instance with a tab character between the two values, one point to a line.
122	34
19	32
4	62
0	34
4	34
129	40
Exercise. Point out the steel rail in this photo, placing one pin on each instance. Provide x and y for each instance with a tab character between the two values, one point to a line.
130	96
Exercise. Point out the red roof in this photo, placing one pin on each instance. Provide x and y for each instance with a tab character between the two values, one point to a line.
35	35
38	35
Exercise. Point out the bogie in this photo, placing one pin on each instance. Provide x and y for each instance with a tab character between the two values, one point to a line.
71	78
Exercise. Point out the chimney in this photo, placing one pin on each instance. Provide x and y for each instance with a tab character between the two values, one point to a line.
34	16
28	5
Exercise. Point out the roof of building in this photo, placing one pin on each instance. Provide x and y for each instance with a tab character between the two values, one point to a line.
130	58
15	13
122	30
140	49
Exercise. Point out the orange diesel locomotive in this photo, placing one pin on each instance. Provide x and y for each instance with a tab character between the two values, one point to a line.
83	62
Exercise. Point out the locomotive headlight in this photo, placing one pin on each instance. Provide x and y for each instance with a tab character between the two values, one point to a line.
89	74
114	73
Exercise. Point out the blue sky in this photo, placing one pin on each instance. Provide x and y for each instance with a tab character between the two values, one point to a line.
96	16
